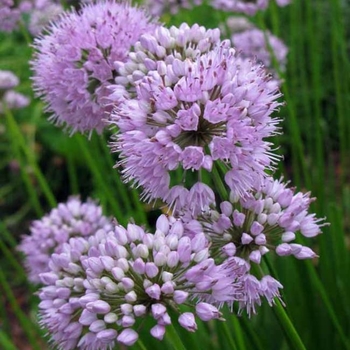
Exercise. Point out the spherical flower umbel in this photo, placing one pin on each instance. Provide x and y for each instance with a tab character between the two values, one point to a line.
215	109
165	47
73	62
99	289
47	236
264	220
257	43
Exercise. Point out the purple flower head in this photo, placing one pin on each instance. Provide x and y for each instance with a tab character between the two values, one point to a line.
218	109
255	43
263	220
98	289
159	7
49	234
162	48
73	62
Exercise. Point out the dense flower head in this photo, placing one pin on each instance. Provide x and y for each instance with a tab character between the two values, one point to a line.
47	236
159	7
257	43
189	115
100	288
263	220
164	47
73	62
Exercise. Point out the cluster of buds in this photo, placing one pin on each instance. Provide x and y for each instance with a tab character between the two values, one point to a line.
194	120
261	221
47	235
99	288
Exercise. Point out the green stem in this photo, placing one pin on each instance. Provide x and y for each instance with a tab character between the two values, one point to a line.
332	314
225	338
16	132
288	326
283	318
25	34
33	196
252	335
13	261
121	187
19	215
141	345
26	324
297	144
5	342
174	339
218	183
73	178
238	334
96	172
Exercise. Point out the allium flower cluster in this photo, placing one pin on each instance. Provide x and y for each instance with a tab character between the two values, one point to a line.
73	63
262	45
159	7
99	289
263	220
189	115
47	236
8	97
163	47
